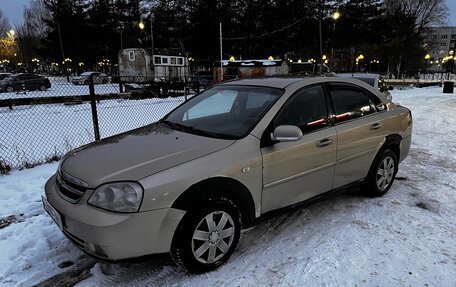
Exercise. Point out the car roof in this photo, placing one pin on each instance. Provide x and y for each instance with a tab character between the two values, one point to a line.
358	75
273	82
284	82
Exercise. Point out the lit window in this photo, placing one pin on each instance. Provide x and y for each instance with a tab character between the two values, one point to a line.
131	55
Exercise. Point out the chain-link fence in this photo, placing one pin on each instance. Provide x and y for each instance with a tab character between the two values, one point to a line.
42	118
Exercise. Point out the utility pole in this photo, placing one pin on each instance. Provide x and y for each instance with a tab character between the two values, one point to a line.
63	53
152	43
221	54
320	15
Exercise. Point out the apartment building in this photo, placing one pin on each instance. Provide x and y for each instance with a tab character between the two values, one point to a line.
441	44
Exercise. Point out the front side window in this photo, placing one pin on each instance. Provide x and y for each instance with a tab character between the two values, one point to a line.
306	110
223	111
350	102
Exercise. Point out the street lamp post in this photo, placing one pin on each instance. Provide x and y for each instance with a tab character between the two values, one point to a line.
142	26
320	12
335	17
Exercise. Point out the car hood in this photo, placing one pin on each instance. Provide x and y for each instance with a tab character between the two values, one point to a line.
136	154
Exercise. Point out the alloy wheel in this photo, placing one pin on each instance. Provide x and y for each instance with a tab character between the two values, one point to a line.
213	237
385	173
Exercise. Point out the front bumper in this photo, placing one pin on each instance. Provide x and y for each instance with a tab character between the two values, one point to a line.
114	236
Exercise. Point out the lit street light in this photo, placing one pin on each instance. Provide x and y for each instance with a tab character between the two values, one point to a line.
335	17
141	25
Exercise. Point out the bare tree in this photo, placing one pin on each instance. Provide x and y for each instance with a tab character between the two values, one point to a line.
31	32
425	12
4	25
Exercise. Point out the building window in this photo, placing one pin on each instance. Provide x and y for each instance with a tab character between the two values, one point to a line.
157	60
131	55
180	61
443	44
173	61
164	60
434	36
444	37
453	37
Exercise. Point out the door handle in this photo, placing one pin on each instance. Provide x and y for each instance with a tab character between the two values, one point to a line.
324	142
376	126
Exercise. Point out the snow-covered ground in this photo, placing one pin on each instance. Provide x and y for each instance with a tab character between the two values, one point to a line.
406	238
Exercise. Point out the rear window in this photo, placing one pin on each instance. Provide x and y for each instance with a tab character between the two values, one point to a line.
369	81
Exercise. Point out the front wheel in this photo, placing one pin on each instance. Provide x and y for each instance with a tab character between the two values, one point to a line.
10	89
207	236
382	174
42	88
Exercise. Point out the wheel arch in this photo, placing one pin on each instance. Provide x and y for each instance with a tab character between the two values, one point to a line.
225	186
392	142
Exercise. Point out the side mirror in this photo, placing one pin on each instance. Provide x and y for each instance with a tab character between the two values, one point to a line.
286	133
390	88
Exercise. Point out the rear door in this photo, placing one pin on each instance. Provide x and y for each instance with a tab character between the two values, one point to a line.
296	171
360	131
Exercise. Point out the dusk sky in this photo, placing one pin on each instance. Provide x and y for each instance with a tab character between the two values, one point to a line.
13	10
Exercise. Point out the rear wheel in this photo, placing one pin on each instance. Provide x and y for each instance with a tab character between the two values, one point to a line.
42	88
382	173
207	236
10	89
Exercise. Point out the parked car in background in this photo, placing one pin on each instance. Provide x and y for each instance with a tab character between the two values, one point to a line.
222	160
375	80
24	82
98	78
201	80
4	75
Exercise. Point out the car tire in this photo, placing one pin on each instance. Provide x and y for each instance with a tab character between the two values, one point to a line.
9	89
382	173
43	88
207	235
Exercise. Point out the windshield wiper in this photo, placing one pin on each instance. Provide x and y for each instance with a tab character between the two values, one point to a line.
174	126
193	130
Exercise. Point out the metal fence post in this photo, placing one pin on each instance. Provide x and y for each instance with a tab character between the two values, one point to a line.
93	104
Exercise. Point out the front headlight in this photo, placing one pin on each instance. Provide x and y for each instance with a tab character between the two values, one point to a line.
118	196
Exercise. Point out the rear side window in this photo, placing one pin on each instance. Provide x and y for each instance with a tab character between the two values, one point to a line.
350	102
306	110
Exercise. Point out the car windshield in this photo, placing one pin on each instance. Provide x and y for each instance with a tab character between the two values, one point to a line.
228	112
9	77
86	74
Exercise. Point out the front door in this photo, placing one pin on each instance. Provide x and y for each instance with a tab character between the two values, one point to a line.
296	171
